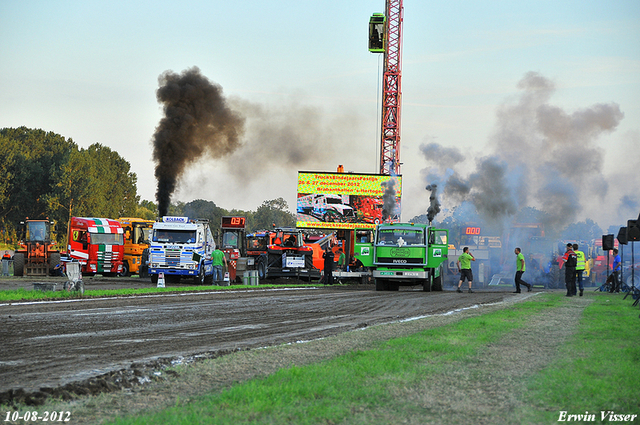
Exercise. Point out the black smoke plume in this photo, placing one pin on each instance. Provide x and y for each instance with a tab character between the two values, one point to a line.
388	198
434	205
196	122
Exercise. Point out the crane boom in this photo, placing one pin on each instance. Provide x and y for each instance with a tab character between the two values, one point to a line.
391	90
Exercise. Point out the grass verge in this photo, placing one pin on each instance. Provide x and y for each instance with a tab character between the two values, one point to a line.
27	295
596	371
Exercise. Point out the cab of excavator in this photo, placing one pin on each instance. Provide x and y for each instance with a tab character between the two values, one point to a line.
37	231
377	38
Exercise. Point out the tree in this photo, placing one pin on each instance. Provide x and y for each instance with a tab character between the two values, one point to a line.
94	182
274	212
32	167
584	230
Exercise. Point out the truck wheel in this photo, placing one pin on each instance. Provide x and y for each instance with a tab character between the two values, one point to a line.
54	260
437	283
381	285
125	269
154	279
18	264
426	285
199	279
554	277
262	270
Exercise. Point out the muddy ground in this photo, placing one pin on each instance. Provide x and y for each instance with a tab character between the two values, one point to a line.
73	348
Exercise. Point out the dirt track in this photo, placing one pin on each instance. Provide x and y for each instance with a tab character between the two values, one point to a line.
50	344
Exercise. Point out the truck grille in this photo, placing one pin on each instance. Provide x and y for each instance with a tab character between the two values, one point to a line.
172	258
390	260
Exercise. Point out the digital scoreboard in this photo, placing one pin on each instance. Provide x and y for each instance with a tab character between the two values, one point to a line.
472	231
234	222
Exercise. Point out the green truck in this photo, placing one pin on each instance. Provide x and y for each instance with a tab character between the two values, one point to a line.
405	254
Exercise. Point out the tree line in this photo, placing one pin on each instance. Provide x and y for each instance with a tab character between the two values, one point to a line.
48	176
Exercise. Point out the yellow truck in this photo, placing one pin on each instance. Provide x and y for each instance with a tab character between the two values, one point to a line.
137	233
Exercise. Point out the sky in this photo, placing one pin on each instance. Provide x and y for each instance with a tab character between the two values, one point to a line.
547	91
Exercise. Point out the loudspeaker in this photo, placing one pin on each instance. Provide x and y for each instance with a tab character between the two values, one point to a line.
622	236
633	230
607	242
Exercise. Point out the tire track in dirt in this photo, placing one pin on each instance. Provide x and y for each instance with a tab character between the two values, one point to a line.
48	345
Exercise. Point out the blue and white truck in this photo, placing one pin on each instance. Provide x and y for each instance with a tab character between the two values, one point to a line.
181	247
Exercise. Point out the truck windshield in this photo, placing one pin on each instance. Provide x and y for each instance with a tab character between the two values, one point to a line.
174	236
334	201
401	237
107	239
37	231
141	234
230	239
257	243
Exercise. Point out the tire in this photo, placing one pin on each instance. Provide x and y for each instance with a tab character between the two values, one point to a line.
154	279
199	279
125	269
80	287
262	269
437	283
54	260
381	285
18	264
554	277
426	285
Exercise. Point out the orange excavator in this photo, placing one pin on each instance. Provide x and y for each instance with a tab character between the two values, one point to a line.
37	254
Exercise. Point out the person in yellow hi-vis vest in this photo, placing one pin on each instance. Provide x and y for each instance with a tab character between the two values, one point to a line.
580	266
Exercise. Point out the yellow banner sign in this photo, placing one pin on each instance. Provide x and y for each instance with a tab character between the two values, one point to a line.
347	201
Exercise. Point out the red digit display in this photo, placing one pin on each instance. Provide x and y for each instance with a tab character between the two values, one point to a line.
234	222
472	231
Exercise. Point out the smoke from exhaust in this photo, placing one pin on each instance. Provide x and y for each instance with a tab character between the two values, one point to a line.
388	198
434	205
197	121
542	156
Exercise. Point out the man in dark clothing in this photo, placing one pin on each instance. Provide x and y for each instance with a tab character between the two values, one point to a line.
328	256
570	261
615	271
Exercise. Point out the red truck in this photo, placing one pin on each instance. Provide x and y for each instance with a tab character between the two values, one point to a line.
97	243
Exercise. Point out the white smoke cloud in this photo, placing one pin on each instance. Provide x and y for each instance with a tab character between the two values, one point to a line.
541	156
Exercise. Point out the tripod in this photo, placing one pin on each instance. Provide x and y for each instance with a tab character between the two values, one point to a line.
631	289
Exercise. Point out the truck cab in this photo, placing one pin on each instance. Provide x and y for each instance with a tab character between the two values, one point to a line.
97	243
181	247
409	254
137	236
288	256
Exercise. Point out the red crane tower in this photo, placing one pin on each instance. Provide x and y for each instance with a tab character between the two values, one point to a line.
385	36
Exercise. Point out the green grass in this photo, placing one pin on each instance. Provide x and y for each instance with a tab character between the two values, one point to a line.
598	369
360	387
28	295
